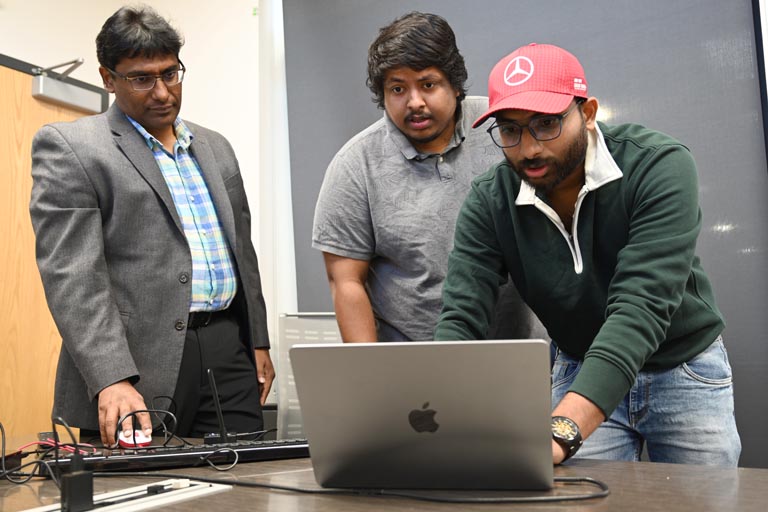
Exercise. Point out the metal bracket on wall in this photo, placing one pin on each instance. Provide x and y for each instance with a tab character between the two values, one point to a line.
54	89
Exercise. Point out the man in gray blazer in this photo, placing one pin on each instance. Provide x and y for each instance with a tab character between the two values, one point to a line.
143	244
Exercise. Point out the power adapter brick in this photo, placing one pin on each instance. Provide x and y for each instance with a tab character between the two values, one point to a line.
77	487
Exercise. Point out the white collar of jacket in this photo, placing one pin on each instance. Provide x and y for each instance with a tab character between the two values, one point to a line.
599	168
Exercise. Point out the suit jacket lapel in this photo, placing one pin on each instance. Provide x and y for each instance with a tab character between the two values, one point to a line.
216	188
135	148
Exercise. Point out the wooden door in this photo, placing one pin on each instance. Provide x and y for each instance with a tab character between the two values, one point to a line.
29	340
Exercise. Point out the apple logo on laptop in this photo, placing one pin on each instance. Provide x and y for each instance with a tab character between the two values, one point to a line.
423	420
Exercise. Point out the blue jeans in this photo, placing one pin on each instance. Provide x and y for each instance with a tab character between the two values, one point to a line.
682	415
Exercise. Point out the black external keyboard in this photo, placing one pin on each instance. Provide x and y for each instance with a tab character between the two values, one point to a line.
158	457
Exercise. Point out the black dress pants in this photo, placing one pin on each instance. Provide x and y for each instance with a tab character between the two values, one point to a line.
221	346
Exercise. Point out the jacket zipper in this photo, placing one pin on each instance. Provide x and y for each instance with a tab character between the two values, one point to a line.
571	240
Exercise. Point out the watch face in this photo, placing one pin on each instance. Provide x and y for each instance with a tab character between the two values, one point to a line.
564	429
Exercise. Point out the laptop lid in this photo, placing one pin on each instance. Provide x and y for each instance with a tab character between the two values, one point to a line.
427	415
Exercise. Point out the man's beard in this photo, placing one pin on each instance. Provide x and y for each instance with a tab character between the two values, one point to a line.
574	157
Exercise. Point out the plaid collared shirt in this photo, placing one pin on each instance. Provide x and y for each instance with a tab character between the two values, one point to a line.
214	280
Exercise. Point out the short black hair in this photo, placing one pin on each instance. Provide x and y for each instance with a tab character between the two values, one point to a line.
415	40
133	32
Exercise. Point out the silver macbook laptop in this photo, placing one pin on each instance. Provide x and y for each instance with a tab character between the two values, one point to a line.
427	415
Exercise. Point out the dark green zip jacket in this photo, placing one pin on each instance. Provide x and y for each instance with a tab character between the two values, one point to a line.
625	292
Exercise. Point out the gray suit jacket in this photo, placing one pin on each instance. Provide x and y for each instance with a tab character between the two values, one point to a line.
114	260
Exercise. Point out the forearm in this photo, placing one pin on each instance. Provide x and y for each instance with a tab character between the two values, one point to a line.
469	297
475	270
650	275
584	413
354	313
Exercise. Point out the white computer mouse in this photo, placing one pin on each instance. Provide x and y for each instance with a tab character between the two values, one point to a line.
136	440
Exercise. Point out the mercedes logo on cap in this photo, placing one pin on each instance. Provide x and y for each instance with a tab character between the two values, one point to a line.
521	71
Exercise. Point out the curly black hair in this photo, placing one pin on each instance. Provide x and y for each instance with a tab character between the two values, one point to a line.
415	40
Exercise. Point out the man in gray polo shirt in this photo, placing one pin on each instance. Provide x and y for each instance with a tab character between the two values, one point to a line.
388	205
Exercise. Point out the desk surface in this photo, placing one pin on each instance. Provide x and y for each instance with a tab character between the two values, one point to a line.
635	486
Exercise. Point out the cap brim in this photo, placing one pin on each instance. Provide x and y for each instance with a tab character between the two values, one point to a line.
534	101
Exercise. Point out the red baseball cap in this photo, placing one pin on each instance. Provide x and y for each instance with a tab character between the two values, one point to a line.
538	77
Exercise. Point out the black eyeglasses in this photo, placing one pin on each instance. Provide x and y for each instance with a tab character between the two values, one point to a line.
147	82
507	134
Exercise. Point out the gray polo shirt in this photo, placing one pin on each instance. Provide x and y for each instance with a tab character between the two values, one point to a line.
384	202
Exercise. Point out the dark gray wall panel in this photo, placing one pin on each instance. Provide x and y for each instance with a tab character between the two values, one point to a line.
687	67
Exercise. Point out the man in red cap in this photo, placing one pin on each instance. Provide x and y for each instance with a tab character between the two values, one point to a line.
596	225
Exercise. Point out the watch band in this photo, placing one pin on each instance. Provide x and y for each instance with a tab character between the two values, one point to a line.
566	433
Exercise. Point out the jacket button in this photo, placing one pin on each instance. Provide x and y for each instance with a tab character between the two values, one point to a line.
180	325
183	278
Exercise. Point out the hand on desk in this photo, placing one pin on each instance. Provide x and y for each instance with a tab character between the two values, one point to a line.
115	401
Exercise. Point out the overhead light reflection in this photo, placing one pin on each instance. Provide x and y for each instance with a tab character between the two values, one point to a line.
723	228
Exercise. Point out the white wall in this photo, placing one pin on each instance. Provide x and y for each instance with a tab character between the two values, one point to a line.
47	32
763	5
221	91
276	211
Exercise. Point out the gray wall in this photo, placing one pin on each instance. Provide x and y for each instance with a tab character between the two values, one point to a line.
687	67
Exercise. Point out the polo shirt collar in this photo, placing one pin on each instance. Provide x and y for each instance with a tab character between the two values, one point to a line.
407	149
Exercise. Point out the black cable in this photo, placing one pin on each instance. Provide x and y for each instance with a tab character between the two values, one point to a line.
26	477
568	480
57	467
171	405
168	435
59	420
2	449
604	491
7	474
133	414
224	482
207	459
172	437
262	433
